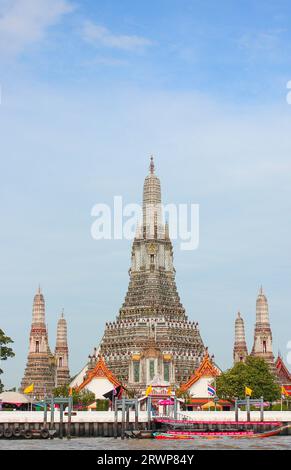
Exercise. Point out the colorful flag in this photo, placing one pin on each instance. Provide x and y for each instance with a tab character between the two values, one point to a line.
70	391
148	390
211	390
169	391
248	391
284	393
29	389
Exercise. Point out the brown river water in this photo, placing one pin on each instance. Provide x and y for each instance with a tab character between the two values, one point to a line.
276	443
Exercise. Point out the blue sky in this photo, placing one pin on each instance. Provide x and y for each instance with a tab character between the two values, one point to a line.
89	90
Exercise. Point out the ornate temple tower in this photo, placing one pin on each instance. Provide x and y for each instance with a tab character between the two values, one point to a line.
240	350
40	362
263	335
152	335
62	354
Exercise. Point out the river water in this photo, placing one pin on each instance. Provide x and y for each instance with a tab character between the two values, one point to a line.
277	443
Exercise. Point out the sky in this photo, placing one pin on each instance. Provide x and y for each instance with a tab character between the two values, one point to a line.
88	91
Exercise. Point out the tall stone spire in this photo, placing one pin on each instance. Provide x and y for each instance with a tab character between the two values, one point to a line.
40	364
153	226
62	353
38	309
240	350
263	335
152	334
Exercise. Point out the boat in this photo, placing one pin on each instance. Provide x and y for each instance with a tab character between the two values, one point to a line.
174	435
170	435
139	434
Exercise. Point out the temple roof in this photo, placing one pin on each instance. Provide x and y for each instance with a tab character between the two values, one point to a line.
282	370
99	371
206	369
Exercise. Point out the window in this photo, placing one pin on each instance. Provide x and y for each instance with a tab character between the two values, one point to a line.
60	362
136	368
37	346
152	369
264	346
167	371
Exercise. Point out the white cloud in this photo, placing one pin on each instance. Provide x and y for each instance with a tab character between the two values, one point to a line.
101	36
24	22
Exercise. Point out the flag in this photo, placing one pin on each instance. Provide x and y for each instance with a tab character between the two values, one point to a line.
248	391
70	391
284	392
169	392
29	389
148	391
211	390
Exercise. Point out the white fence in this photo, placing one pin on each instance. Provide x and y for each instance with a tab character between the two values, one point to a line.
108	416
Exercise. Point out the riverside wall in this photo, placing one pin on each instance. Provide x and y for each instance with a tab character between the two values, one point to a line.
101	424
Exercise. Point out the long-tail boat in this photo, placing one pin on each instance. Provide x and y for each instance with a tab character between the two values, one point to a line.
174	435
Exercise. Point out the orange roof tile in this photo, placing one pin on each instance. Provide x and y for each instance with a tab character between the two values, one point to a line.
282	369
206	368
100	370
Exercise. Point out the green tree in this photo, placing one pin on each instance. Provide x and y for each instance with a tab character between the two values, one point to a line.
84	397
5	351
255	374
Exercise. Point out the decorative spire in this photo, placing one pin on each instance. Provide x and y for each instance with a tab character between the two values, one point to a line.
62	352
39	369
62	331
153	226
263	346
240	350
262	310
38	309
152	166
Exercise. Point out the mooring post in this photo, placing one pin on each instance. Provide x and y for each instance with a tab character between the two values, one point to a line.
175	407
149	411
262	409
115	430
136	414
236	410
127	418
61	420
123	418
248	409
45	414
69	417
52	420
